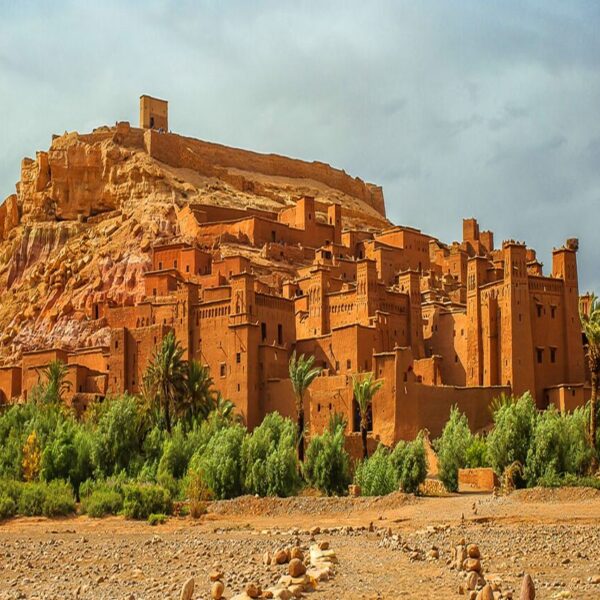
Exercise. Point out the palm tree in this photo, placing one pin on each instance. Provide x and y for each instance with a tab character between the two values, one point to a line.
302	374
224	409
198	392
56	384
164	380
364	390
590	321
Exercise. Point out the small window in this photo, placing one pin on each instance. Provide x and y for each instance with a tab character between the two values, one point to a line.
222	369
348	364
154	291
174	264
187	268
456	358
540	355
238	357
280	334
263	331
159	266
553	312
539	310
552	355
238	387
116	344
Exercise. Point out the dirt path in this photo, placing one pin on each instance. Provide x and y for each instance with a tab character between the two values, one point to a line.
553	535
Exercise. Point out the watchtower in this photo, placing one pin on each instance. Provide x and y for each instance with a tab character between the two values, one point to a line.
154	113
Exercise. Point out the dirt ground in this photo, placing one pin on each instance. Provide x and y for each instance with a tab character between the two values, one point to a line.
554	535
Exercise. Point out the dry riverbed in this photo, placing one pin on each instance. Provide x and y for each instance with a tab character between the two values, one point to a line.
386	548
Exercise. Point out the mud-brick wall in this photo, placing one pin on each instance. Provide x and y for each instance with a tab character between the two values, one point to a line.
206	157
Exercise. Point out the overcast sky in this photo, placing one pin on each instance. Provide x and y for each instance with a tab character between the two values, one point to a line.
457	108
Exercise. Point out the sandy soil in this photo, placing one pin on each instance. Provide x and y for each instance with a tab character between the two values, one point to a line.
552	534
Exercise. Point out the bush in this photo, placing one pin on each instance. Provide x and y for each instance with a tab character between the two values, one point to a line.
116	440
510	439
157	519
8	507
59	500
16	424
48	499
410	463
558	446
452	448
68	455
176	454
552	480
477	453
102	502
11	489
31	500
327	464
269	458
376	475
221	462
141	500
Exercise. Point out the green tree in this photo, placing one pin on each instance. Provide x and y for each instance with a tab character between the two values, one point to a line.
164	380
198	397
364	389
269	460
56	384
510	439
224	409
116	440
302	374
327	465
376	475
453	448
410	461
590	321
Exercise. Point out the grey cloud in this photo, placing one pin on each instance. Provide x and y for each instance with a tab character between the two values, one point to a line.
458	109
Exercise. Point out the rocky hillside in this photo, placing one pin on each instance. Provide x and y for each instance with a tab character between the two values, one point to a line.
86	213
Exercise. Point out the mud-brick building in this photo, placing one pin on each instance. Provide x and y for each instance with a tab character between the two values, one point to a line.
440	324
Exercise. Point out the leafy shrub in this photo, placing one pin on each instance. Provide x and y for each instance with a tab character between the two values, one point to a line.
221	462
198	494
59	499
11	489
553	480
16	424
452	448
48	499
116	438
8	507
269	458
176	454
31	500
558	446
376	475
477	453
157	519
510	439
102	502
410	463
327	464
68	455
141	500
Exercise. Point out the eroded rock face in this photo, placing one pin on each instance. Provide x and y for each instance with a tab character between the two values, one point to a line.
80	228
